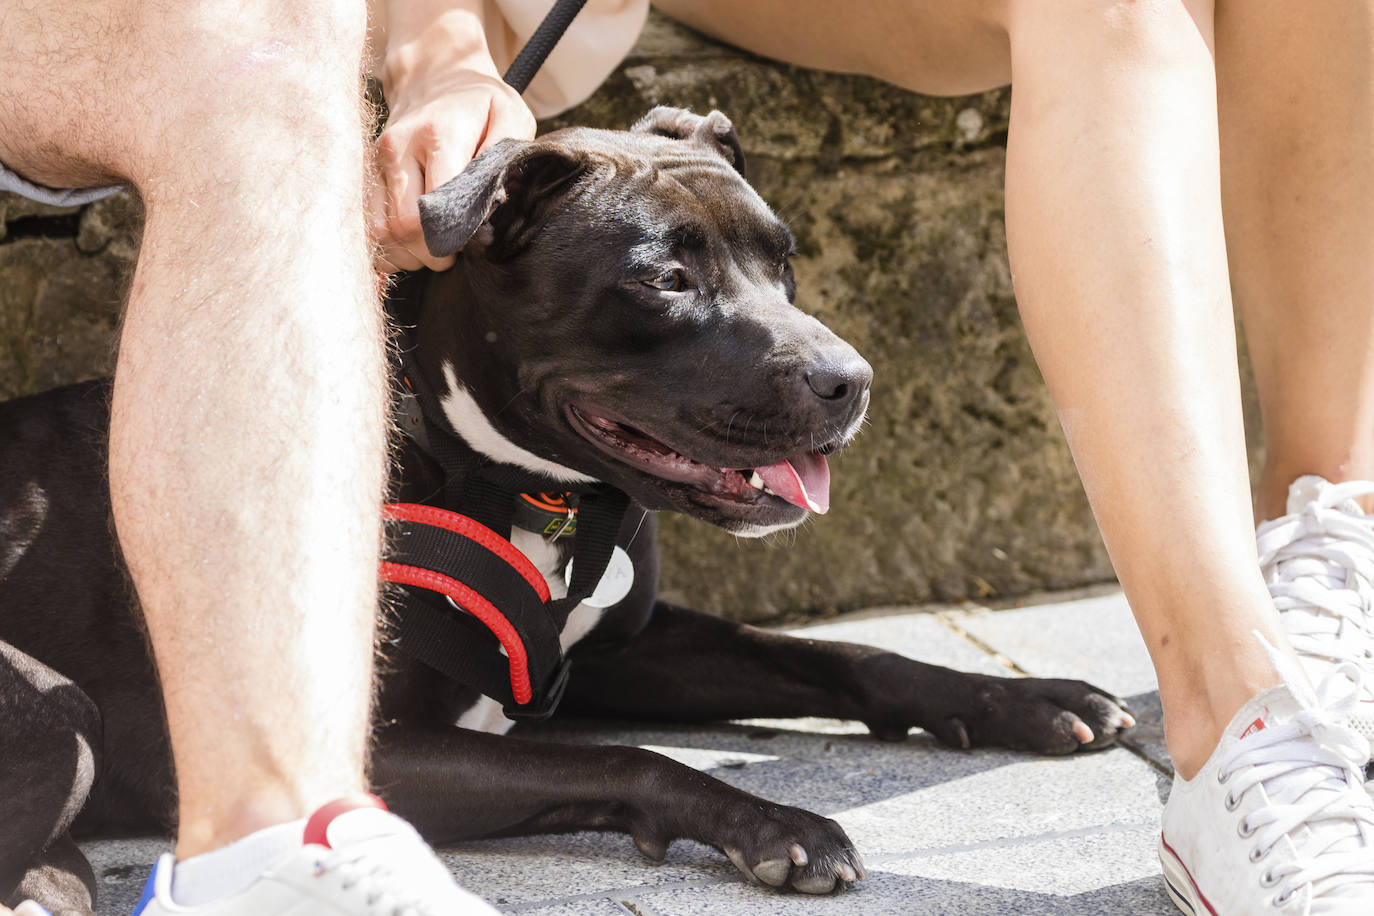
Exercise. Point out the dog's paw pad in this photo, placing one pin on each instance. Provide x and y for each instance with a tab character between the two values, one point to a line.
815	884
773	872
792	849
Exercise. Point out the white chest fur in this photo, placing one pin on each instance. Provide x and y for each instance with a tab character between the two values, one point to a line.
485	715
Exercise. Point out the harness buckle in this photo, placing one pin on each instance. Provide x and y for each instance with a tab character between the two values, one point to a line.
541	707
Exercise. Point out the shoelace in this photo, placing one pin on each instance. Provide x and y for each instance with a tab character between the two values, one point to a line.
1319	564
380	882
1308	769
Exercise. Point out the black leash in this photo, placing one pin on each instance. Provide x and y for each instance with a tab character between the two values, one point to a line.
473	607
541	43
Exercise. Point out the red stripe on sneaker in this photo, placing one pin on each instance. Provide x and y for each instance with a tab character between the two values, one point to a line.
461	524
317	828
1200	895
479	607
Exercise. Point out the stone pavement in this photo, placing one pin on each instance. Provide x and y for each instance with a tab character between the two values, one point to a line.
941	831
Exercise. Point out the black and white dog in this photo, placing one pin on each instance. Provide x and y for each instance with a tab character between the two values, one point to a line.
621	312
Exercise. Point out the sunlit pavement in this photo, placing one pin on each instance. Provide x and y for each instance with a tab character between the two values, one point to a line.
941	831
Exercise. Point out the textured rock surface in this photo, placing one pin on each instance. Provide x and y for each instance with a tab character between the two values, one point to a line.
960	487
63	272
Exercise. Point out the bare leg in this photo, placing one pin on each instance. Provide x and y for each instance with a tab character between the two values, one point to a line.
1130	314
1114	144
1297	127
929	46
247	439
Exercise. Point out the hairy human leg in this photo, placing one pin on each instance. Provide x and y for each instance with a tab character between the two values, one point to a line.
248	427
1296	94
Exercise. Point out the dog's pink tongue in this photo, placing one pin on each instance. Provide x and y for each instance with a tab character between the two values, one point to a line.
803	481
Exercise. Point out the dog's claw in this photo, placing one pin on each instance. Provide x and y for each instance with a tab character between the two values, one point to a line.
797	854
962	731
737	857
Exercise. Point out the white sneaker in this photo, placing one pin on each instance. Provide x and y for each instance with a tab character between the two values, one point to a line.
1277	819
1319	563
356	859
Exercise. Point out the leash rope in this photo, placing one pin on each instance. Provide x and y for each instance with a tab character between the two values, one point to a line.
541	43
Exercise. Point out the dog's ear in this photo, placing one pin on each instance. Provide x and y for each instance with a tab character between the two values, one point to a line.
713	130
501	196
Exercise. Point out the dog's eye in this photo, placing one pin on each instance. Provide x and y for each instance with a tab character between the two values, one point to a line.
671	281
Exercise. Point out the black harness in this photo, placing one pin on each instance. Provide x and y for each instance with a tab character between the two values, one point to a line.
472	606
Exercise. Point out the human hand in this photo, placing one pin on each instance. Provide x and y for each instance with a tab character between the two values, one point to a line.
447	105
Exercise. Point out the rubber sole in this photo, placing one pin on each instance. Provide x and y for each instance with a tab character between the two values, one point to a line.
1179	885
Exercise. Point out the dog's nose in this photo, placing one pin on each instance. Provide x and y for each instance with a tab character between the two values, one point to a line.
839	379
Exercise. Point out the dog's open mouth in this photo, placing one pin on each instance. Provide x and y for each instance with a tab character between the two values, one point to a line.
803	480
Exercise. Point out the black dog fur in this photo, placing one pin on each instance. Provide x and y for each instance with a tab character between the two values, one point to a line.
628	282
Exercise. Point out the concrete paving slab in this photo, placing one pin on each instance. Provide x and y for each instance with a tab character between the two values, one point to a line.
532	873
941	831
121	869
1090	638
598	906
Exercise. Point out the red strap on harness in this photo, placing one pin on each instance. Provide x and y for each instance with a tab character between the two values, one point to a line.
461	524
464	596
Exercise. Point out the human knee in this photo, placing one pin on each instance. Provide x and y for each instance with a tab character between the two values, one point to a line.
245	70
1148	33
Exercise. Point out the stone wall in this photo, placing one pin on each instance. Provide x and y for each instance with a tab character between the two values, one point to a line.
961	485
63	272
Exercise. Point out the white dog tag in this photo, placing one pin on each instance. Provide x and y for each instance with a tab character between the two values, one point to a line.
615	581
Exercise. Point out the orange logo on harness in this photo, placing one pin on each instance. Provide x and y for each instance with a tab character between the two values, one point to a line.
564	520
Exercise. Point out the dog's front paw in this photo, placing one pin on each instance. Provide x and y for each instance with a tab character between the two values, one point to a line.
776	845
1050	716
792	849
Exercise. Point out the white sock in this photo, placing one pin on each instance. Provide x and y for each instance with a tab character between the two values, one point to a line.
222	872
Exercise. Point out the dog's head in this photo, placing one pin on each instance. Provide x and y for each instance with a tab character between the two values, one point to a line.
622	310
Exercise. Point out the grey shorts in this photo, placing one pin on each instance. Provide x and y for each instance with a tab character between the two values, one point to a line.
57	197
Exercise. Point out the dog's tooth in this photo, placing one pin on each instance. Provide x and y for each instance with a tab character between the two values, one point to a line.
757	482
